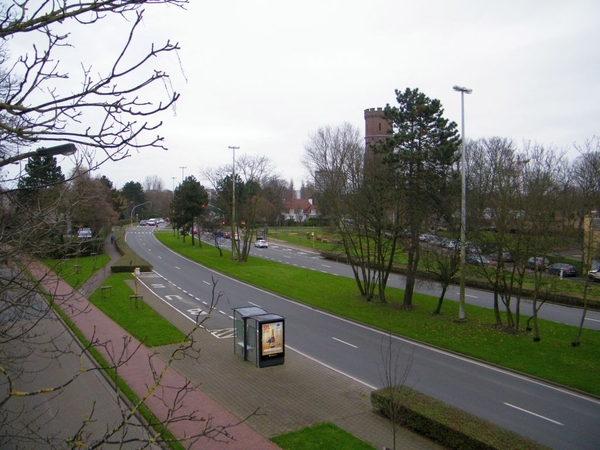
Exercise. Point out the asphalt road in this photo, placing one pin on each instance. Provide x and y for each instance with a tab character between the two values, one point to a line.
553	416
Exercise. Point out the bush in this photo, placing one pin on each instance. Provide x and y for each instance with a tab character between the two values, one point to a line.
451	427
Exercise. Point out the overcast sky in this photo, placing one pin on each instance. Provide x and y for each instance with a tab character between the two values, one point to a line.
262	75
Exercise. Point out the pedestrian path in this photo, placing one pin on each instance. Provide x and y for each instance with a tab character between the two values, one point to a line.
226	389
140	370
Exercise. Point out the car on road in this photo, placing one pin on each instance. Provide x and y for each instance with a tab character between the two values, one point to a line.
151	222
261	243
568	270
143	223
537	262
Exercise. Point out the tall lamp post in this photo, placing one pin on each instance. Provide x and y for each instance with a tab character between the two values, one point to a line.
463	203
233	243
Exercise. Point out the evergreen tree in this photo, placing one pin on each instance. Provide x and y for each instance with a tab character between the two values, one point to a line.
133	194
42	174
189	203
423	151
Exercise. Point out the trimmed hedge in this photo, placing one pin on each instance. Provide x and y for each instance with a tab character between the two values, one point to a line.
128	256
451	427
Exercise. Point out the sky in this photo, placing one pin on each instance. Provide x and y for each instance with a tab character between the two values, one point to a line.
264	75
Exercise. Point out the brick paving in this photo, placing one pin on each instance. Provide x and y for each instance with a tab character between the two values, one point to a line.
268	401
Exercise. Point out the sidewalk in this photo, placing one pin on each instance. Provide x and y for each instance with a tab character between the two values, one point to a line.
286	398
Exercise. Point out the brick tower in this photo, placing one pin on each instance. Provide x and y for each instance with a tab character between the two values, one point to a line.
377	128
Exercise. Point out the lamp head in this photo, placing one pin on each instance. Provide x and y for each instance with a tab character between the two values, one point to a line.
462	89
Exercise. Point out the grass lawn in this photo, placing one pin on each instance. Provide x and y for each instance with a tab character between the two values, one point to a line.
144	324
553	358
75	271
323	436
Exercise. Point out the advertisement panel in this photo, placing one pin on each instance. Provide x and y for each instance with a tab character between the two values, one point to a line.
272	338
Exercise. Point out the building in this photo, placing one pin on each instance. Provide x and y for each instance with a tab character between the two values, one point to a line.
299	210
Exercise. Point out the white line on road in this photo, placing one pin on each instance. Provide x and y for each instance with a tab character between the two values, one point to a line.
343	342
325	265
178	268
593	320
534	414
206	282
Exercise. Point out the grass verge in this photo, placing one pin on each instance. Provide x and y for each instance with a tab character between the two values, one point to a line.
145	324
553	358
324	436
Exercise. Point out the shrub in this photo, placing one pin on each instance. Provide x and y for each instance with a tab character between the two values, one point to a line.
452	427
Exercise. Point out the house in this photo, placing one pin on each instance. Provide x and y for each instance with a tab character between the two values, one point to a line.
299	210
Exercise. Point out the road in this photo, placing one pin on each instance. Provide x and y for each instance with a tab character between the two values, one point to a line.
550	415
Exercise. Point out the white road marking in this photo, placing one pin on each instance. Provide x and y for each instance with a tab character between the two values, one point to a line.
534	414
343	342
206	282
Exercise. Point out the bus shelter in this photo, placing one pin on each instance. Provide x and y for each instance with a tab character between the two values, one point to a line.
259	336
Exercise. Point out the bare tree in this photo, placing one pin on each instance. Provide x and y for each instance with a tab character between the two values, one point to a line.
107	111
253	201
110	109
359	201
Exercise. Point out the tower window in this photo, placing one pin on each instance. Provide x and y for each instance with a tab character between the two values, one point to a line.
379	126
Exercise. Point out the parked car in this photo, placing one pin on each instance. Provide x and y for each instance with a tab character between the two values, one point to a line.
568	270
479	260
594	275
537	262
506	257
261	243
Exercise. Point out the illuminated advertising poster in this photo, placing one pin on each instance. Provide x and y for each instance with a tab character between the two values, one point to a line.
272	338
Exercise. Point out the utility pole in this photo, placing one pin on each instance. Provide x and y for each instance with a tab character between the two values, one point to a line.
233	227
182	169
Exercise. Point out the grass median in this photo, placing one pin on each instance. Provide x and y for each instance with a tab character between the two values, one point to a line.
553	358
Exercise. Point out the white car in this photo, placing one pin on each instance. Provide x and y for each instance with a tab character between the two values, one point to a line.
594	275
261	243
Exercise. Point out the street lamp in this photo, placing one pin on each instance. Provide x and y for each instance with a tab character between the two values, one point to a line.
63	149
233	244
463	203
133	209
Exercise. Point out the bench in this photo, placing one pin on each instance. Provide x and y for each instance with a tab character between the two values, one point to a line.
103	290
133	299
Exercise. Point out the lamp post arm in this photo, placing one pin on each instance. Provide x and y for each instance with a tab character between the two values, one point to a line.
64	149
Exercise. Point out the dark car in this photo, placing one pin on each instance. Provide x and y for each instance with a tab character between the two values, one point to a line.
568	270
479	260
506	257
538	262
